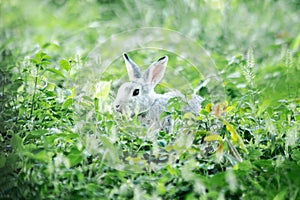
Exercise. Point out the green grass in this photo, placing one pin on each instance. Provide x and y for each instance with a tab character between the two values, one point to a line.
60	68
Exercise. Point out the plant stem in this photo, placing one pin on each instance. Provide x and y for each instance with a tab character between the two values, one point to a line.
34	92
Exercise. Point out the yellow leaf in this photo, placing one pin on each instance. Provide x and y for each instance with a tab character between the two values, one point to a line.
213	137
169	148
234	135
229	108
220	148
208	107
236	167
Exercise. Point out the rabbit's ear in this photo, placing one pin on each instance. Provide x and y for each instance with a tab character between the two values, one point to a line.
133	70
156	71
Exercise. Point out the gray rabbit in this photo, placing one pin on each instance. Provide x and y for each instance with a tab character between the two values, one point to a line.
138	97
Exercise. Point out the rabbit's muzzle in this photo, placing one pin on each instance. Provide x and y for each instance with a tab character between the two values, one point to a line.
117	108
121	108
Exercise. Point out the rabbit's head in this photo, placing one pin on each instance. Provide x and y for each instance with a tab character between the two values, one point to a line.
137	96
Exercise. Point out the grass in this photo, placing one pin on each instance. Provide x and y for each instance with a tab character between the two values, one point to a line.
61	64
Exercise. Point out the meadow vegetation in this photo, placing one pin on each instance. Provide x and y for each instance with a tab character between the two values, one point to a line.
60	138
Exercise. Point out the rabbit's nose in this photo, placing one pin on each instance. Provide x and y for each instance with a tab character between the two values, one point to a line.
117	107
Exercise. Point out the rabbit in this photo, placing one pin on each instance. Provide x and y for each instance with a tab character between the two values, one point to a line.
138	97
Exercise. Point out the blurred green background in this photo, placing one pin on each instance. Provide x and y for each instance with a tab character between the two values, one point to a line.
226	29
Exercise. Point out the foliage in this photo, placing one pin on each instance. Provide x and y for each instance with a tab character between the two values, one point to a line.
60	138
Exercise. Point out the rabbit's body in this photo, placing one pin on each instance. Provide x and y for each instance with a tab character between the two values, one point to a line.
138	97
152	116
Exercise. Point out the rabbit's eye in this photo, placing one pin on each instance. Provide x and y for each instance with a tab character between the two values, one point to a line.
135	92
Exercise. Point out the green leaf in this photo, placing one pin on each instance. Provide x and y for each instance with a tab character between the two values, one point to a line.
188	115
254	154
73	93
296	43
38	133
244	166
16	142
109	146
264	164
102	89
35	61
75	157
50	87
45	63
42	56
175	103
296	156
2	160
171	170
67	103
92	187
280	196
219	179
55	71
65	65
43	156
161	189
